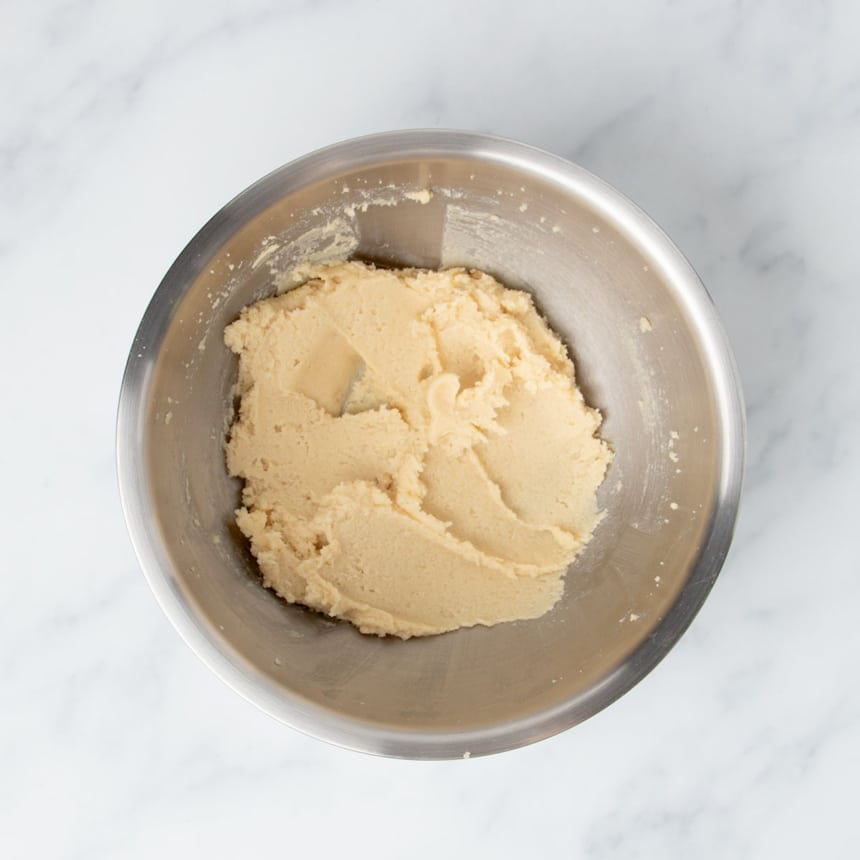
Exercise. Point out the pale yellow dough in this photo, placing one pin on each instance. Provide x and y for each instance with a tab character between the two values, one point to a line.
416	454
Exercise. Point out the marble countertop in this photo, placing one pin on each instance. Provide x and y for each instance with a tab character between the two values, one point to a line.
125	126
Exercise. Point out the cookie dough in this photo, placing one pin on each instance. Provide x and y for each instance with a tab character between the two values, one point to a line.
415	453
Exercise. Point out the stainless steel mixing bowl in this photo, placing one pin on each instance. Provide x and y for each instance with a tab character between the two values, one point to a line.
649	351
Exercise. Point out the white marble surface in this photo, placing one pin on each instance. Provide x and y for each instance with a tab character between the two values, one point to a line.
125	126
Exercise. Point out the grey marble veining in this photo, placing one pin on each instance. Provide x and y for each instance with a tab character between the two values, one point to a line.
736	125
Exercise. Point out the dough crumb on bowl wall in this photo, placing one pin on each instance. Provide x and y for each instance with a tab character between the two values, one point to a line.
415	452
